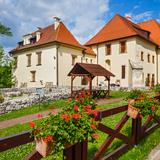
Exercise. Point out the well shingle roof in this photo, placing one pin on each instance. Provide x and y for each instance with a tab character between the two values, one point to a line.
91	69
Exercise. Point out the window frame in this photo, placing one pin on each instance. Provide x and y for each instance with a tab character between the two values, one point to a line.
148	58
39	58
108	49
123	71
153	59
29	61
33	76
123	49
73	59
142	56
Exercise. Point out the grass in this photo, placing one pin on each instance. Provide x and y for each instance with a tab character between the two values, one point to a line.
32	109
137	153
118	94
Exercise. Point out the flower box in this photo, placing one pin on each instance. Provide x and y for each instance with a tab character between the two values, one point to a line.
44	148
132	111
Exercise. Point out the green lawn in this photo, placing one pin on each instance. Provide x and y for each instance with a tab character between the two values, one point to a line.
137	153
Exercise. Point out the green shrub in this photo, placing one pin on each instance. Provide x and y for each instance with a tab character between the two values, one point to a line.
134	94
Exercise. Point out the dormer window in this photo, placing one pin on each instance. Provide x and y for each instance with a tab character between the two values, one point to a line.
32	40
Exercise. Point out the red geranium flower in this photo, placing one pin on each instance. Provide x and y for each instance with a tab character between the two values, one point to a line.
75	108
95	113
39	115
76	116
66	117
32	124
93	126
153	108
48	139
95	135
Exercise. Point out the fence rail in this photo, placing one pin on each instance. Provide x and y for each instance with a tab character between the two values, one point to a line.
79	150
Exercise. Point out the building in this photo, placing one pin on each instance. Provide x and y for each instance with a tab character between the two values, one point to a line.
129	50
45	57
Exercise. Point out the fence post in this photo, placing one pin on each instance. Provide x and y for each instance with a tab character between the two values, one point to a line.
136	130
76	152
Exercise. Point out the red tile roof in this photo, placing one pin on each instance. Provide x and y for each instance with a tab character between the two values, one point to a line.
118	27
49	34
154	27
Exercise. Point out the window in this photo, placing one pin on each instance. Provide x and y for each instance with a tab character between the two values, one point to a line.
123	71
28	60
39	58
33	76
91	61
153	60
142	56
108	49
148	58
86	60
73	59
15	62
123	47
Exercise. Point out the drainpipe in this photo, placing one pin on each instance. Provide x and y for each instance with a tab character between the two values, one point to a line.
97	61
57	74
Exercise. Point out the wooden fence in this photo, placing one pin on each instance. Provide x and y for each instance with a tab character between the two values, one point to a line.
79	150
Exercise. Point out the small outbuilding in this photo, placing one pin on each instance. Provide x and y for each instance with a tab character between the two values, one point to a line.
89	71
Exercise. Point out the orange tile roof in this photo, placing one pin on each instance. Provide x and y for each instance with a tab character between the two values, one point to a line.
118	27
154	27
49	34
89	51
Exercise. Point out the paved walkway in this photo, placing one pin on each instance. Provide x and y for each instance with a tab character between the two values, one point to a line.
28	118
155	154
24	119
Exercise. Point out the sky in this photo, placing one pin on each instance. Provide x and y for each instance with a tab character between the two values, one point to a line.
84	18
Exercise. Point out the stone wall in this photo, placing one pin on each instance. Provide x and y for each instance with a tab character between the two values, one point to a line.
29	97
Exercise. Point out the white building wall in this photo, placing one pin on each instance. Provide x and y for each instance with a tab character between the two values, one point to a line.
134	48
158	60
148	67
44	73
65	65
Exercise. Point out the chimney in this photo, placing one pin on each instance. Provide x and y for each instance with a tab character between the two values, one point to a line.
38	36
57	22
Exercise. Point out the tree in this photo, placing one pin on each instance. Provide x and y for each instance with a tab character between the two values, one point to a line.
5	30
6	78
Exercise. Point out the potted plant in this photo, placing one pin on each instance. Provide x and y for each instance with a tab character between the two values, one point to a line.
75	123
143	107
157	89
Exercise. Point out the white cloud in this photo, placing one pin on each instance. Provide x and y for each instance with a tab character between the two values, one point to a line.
83	17
140	17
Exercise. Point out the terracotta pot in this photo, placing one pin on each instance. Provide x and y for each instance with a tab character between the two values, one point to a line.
132	111
43	148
